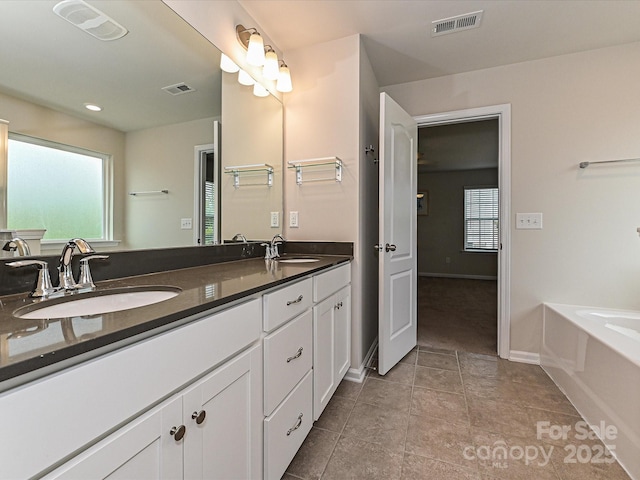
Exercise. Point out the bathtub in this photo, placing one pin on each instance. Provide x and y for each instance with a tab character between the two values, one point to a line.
593	355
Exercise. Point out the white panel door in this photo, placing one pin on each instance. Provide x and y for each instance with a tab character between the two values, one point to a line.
397	323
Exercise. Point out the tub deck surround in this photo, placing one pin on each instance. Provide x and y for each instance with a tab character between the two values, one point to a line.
593	355
32	348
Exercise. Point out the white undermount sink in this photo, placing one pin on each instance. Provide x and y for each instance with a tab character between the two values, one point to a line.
298	260
97	302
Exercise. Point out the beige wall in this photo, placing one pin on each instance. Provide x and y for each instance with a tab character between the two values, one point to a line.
565	110
332	111
441	233
34	120
162	158
251	134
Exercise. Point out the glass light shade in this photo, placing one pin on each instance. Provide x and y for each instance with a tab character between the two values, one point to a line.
245	79
270	70
228	65
255	51
259	90
284	80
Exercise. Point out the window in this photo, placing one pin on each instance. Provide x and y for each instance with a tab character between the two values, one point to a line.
62	189
480	219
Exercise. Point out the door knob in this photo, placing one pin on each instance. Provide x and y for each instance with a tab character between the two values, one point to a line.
390	248
378	247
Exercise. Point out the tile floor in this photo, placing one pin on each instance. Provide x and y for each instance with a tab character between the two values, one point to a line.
442	414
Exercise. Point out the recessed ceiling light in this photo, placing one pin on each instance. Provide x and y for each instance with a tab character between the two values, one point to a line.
93	107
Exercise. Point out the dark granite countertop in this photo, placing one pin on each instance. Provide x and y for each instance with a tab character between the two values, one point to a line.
32	348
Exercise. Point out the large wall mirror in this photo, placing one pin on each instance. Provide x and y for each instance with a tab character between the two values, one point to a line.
184	140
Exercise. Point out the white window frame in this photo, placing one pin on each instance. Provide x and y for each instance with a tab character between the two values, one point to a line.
496	238
107	188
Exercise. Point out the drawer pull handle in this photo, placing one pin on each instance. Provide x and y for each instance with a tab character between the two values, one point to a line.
178	432
199	416
297	355
296	426
297	300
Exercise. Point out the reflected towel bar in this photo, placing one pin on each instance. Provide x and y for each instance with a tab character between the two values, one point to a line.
150	192
586	164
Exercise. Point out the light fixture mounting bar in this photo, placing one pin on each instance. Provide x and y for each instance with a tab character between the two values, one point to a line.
244	34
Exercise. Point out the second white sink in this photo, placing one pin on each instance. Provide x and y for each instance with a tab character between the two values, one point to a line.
96	302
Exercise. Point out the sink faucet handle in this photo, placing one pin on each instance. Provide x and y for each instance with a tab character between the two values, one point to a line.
43	286
86	281
268	253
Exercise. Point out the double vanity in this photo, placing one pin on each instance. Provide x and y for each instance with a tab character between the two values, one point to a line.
223	379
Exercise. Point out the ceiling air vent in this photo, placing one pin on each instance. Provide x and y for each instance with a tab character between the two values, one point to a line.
90	19
456	24
178	89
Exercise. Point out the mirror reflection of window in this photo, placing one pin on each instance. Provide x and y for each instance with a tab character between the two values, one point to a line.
57	187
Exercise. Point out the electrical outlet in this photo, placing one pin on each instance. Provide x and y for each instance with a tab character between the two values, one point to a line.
293	219
275	219
529	221
186	224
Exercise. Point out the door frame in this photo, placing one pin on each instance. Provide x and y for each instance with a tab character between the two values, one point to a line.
503	114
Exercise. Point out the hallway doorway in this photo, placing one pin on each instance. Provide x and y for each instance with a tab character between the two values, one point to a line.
463	230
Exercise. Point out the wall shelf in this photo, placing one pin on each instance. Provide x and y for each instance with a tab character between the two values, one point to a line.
254	170
328	162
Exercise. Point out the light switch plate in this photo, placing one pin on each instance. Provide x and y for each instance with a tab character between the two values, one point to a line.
186	224
529	221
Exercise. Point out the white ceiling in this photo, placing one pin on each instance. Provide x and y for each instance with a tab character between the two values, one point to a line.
47	60
397	36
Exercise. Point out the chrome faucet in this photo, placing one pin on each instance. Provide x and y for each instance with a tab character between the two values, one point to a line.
275	241
239	237
19	245
66	280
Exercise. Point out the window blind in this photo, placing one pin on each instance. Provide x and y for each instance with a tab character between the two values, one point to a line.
481	219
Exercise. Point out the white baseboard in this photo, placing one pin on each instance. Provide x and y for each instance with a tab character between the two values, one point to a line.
358	374
457	275
524	357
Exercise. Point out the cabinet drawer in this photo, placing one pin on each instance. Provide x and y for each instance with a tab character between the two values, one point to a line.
287	357
284	304
286	429
330	282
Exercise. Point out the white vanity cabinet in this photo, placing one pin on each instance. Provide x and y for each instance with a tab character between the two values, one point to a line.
331	334
210	430
288	376
129	400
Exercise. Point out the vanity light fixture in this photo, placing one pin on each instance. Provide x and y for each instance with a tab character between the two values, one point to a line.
251	39
260	91
270	70
93	107
245	79
284	79
228	65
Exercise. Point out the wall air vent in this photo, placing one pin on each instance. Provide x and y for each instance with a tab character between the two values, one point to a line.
90	19
456	24
178	89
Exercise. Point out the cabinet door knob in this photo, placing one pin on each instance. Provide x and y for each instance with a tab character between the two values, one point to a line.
199	416
297	355
296	426
297	300
178	432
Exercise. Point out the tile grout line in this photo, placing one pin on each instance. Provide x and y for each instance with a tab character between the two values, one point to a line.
340	434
